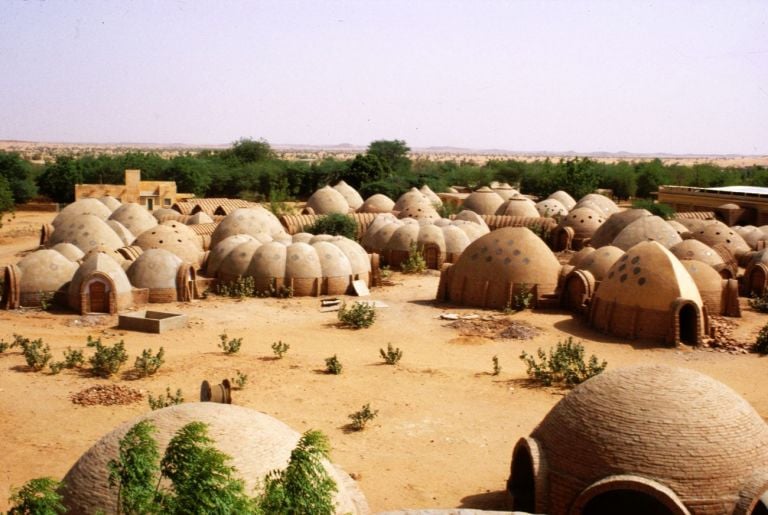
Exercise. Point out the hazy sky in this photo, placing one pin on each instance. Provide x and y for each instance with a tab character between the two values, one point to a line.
662	76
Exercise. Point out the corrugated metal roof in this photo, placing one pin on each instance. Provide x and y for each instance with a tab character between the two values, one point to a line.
749	190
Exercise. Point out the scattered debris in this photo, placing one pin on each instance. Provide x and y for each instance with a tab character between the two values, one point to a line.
331	304
495	328
106	395
722	339
456	316
361	289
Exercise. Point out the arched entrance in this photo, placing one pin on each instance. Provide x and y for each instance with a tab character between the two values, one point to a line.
432	256
688	318
98	297
522	482
625	502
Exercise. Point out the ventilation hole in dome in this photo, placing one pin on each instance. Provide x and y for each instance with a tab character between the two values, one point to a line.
622	267
507	260
516	252
623	277
154	232
728	241
718	233
641	281
473	257
243	254
636	270
610	276
582	220
488	259
590	217
161	241
510	242
624	257
635	260
526	261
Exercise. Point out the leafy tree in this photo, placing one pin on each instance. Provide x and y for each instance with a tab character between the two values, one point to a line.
6	199
392	154
59	179
578	177
335	224
18	174
364	168
135	470
650	176
246	150
39	496
191	175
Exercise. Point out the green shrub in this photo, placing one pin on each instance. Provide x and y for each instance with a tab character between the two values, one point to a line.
447	209
106	360
36	354
414	263
134	471
565	364
281	292
304	487
73	358
4	346
362	417
496	365
761	343
279	349
56	366
39	496
147	364
335	224
392	354
229	346
333	365
759	302
240	380
664	211
523	298
165	400
359	316
238	288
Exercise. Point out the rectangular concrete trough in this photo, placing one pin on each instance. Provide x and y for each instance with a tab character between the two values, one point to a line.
152	321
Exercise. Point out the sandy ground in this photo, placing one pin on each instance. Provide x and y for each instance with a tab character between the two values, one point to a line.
445	429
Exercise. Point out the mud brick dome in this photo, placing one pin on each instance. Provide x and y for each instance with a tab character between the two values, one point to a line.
551	207
484	201
174	237
718	233
327	200
647	228
644	439
694	249
350	194
519	206
41	273
257	444
69	251
111	202
377	203
495	267
86	232
614	224
410	198
564	198
431	195
600	203
134	217
252	220
86	206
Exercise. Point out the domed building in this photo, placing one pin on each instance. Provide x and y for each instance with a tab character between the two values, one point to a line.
111	202
199	218
100	286
350	194
564	198
377	203
165	275
419	211
576	229
614	224
599	203
86	206
755	278
409	198
754	236
715	233
134	217
584	273
174	237
505	191
86	232
649	294
483	201
694	249
69	251
496	267
251	221
644	440
518	206
647	228
720	296
326	201
431	195
43	274
552	208
126	236
256	443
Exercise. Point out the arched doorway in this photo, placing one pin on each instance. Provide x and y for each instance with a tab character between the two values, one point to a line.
688	318
432	256
522	483
625	502
98	297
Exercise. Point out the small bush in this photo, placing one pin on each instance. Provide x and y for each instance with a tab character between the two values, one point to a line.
56	367
239	288
73	358
362	417
39	496
523	299
392	354
664	211
36	354
759	303
106	361
240	380
46	300
279	349
414	263
335	224
229	346
761	343
565	364
447	209
165	400
4	346
496	365
359	316
147	364
333	365
281	292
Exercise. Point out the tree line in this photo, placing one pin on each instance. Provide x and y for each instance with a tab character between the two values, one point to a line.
250	169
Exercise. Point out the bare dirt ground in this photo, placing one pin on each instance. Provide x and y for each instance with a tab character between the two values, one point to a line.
446	427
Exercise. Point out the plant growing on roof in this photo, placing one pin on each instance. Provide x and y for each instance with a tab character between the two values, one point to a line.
564	364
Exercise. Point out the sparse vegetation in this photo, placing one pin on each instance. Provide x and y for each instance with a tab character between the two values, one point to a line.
523	298
166	399
106	360
564	365
361	417
335	224
414	263
361	315
4	346
392	355
73	358
662	210
36	353
761	343
240	380
229	346
496	366
39	496
333	365
46	300
239	288
279	348
148	364
759	302
56	367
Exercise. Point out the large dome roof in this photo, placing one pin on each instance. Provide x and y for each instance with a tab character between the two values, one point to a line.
410	198
519	206
174	237
86	206
647	228
599	261
431	195
257	444
694	249
252	220
614	224
600	203
45	271
483	201
717	232
100	262
377	203
564	198
672	426
86	232
350	194
134	217
154	268
551	208
327	200
583	220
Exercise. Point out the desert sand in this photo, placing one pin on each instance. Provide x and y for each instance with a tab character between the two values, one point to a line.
445	429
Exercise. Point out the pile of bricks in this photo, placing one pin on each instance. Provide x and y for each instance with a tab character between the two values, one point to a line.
106	395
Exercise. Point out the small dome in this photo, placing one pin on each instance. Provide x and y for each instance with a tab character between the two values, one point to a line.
100	262
718	232
647	228
600	203
111	202
86	232
471	216
518	206
45	271
431	195
126	236
493	265
235	263
505	191
154	269
327	200
583	221
696	250
646	426
564	198
134	217
680	229
201	217
163	212
709	282
423	211
256	443
253	220
410	197
350	194
69	251
598	262
483	201
377	203
551	208
752	235
174	237
86	206
219	253
614	224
